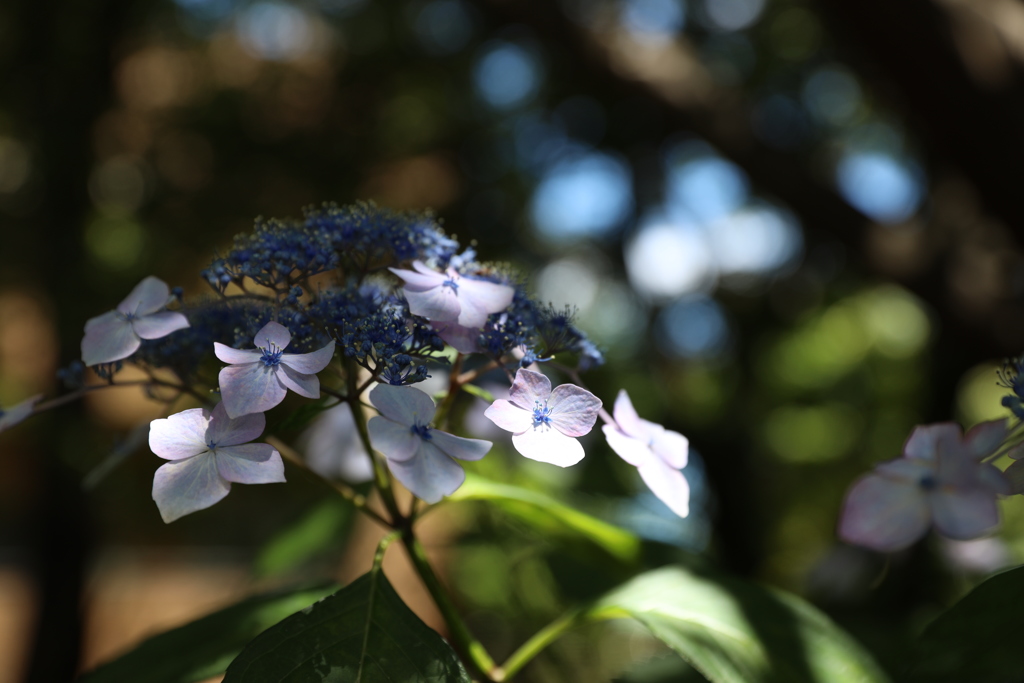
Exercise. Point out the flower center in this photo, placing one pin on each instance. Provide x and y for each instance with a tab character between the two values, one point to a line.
271	356
928	483
451	283
423	431
541	415
212	445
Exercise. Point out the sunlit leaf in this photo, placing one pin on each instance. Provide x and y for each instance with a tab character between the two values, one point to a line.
734	631
205	647
479	392
320	530
977	639
364	633
542	510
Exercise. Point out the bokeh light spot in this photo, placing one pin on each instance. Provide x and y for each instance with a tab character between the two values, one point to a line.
832	95
707	187
507	75
114	242
275	31
444	26
732	15
585	196
881	186
666	260
755	240
692	328
653	18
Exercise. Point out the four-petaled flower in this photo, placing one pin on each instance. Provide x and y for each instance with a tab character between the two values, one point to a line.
544	423
418	456
451	297
939	480
208	450
656	452
258	379
18	412
119	333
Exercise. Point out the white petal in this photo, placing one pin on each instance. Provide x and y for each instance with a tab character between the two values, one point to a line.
573	409
671	447
668	484
236	356
149	296
462	339
908	470
309	363
18	412
528	388
333	448
405	405
251	463
430	474
252	388
184	486
633	451
421	280
108	337
883	514
964	514
626	416
479	298
303	385
438	303
157	325
925	439
273	335
394	441
509	417
983	439
225	431
460	447
548	445
181	435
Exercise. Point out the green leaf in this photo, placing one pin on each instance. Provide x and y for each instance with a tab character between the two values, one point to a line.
976	639
319	531
479	392
364	633
541	511
205	647
734	631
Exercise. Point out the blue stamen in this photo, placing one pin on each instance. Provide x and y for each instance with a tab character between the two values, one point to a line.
451	283
271	356
928	482
423	431
541	415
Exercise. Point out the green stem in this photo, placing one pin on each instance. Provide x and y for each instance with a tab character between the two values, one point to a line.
540	640
441	416
459	632
380	474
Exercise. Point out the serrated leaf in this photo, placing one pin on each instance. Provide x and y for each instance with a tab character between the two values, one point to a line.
542	511
976	639
733	631
320	530
364	633
205	647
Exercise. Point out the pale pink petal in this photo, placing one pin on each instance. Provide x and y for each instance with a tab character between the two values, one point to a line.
333	449
157	325
460	447
439	303
421	280
273	335
251	463
633	451
181	435
668	484
883	514
303	385
626	416
424	269
479	299
108	337
924	440
224	431
184	486
953	464
964	514
462	339
671	447
573	409
548	445
393	440
309	363
236	356
430	474
983	439
509	417
18	412
528	388
252	388
1016	452
149	296
1015	475
906	469
405	405
991	478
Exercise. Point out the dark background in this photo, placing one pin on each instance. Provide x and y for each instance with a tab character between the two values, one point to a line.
794	227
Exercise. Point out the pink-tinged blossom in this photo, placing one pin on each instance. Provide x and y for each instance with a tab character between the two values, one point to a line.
545	423
119	333
257	379
208	451
451	297
18	412
656	452
940	481
418	456
333	449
